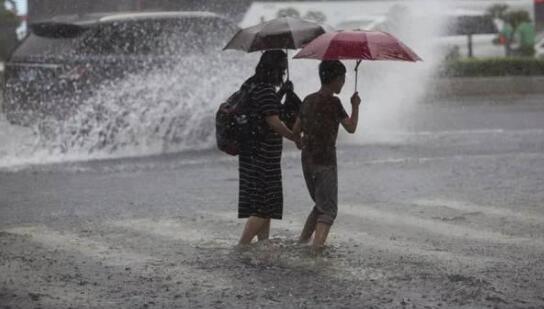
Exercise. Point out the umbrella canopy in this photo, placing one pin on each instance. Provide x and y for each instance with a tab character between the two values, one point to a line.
279	33
357	45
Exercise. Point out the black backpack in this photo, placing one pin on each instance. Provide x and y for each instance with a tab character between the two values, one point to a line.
232	120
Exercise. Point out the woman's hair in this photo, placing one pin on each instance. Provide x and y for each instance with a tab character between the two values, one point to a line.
329	70
270	63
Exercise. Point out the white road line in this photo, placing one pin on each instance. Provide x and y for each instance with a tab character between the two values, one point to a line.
470	207
110	256
71	242
437	227
448	158
400	247
173	229
452	132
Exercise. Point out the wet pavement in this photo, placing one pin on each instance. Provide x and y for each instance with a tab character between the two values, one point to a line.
446	213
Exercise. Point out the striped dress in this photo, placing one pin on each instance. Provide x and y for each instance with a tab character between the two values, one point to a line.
261	192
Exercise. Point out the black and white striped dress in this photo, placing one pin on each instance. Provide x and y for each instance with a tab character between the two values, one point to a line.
261	192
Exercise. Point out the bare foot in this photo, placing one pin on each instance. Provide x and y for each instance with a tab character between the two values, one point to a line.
241	247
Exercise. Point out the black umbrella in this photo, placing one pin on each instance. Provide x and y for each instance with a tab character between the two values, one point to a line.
280	33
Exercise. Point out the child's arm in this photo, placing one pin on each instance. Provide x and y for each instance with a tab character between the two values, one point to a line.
350	123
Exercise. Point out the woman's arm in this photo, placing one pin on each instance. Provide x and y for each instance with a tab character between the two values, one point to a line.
277	125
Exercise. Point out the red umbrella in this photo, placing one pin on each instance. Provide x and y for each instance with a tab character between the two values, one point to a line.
357	45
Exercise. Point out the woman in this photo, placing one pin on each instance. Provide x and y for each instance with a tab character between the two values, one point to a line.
261	196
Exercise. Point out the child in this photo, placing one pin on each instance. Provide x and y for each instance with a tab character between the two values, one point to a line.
318	121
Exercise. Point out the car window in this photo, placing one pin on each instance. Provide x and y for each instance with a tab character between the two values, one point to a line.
158	37
50	40
143	37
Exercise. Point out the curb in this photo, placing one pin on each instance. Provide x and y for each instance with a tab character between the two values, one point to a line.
487	86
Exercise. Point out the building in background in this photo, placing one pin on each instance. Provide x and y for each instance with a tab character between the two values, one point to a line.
45	9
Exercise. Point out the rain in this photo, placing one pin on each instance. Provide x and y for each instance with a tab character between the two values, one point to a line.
116	192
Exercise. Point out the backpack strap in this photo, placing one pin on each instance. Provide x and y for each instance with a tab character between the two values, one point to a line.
247	90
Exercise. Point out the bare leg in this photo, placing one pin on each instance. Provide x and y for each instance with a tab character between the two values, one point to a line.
253	226
321	233
309	227
264	233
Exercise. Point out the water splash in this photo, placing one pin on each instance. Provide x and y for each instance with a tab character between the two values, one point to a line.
171	109
158	111
392	90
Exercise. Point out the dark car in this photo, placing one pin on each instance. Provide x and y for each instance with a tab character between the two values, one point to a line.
63	60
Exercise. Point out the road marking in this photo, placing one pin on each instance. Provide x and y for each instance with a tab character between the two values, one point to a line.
112	256
470	207
399	247
446	158
68	241
386	134
175	230
436	227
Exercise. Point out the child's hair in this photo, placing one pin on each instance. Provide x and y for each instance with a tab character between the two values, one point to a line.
329	70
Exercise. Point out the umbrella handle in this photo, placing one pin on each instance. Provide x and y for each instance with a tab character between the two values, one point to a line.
357	73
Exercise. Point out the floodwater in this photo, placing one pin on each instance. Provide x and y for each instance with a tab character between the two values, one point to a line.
440	200
448	214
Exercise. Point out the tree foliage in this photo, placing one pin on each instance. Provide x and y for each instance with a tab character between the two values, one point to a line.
9	22
516	18
316	16
289	12
8	16
498	11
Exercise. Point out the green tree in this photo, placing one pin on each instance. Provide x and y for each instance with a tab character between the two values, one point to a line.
316	16
524	32
497	11
9	22
516	18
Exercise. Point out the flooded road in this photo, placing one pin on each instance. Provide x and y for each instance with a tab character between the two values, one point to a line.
446	213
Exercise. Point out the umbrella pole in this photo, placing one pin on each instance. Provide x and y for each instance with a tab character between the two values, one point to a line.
357	73
287	52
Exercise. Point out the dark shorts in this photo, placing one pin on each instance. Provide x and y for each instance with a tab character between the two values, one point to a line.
322	183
